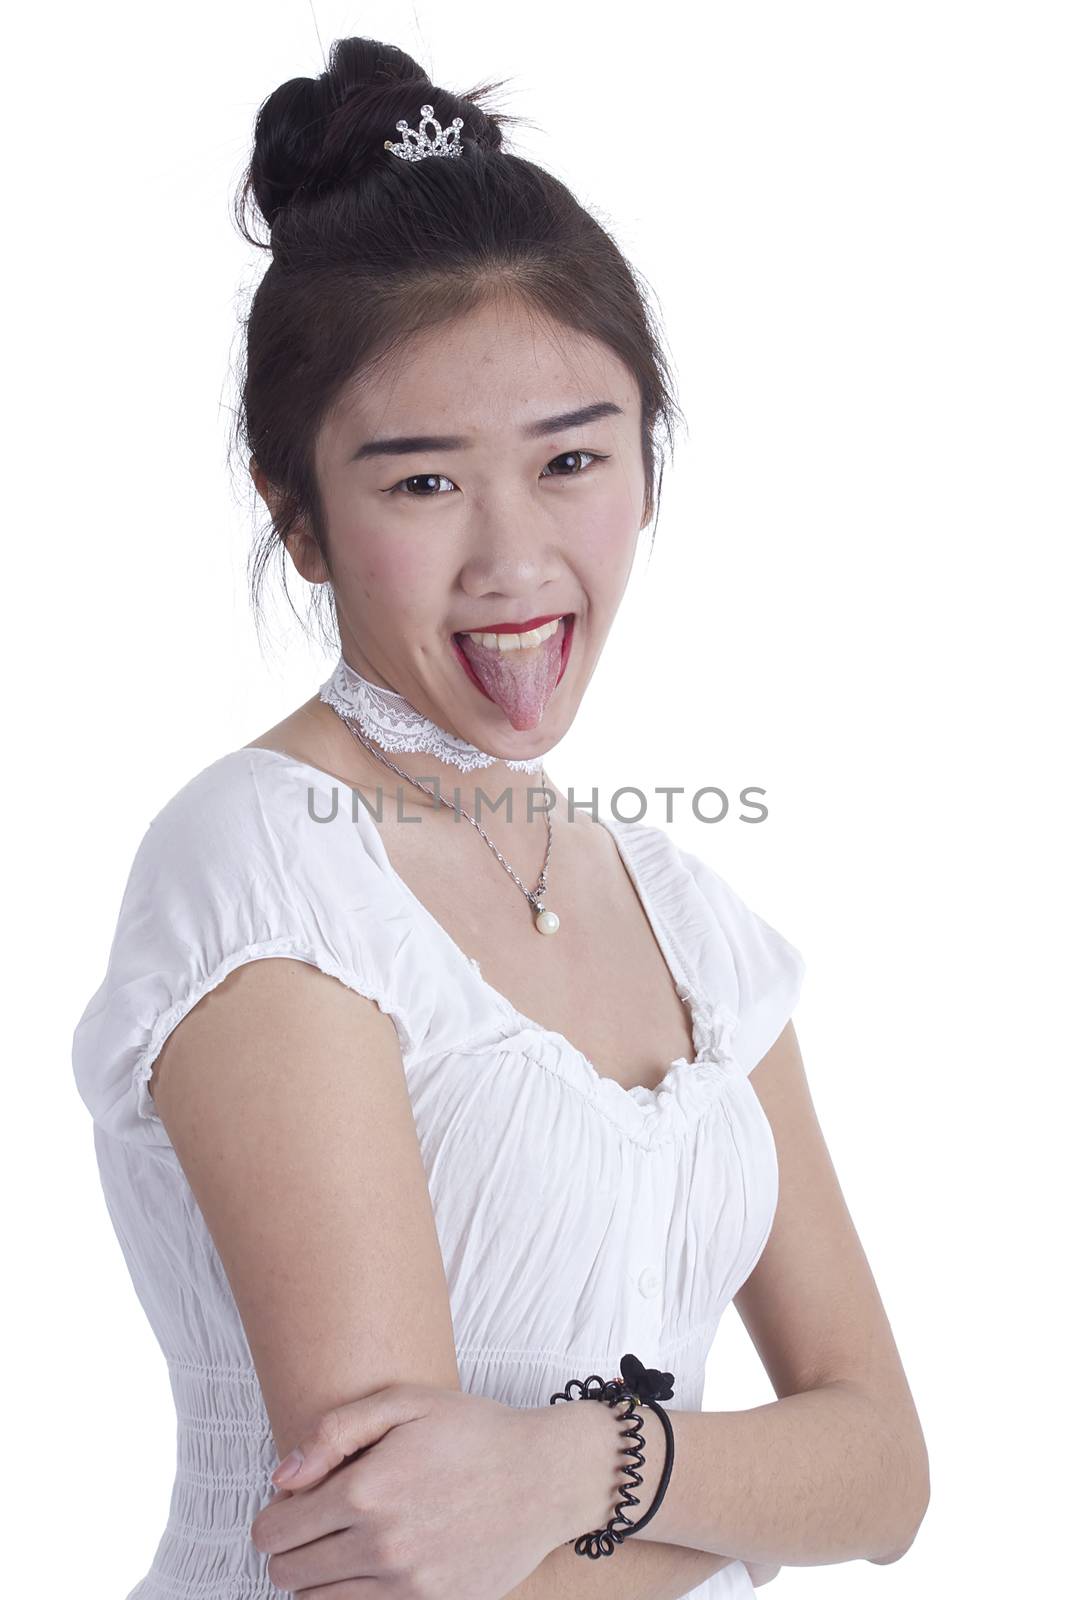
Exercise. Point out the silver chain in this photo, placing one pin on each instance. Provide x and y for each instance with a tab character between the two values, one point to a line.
540	887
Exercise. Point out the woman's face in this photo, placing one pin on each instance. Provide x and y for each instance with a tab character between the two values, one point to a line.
454	504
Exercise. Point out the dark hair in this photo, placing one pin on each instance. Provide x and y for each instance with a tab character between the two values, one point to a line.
368	250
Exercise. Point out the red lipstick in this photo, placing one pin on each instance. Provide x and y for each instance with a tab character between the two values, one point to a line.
514	627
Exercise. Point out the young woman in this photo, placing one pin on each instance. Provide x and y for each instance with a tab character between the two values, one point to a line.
409	1114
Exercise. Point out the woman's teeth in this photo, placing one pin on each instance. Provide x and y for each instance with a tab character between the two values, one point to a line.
516	641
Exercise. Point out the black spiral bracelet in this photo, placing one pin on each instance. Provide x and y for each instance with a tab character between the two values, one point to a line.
637	1385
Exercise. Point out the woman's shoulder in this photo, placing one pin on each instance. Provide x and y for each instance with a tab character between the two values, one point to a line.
660	851
220	803
232	786
258	814
242	863
259	848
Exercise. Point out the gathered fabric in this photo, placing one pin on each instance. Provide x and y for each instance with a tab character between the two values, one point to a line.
577	1219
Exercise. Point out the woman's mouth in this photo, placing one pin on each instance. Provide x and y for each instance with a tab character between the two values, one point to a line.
518	671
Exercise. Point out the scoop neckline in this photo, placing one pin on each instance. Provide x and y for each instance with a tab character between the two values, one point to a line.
670	950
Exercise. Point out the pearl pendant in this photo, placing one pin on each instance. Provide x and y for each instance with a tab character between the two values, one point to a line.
546	922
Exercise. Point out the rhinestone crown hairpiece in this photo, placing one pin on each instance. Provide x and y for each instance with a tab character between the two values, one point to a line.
416	146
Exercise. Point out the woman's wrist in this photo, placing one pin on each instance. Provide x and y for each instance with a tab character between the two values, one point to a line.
585	1469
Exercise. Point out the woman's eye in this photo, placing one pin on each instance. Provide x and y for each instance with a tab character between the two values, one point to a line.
434	480
571	456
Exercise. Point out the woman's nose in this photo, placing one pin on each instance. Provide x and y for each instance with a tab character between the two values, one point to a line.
508	562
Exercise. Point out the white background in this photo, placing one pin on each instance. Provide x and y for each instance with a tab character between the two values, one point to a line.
852	216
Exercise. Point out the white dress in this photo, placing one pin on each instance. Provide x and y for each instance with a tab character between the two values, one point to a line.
664	1198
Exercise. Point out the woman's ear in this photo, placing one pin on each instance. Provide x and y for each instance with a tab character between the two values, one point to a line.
305	555
301	545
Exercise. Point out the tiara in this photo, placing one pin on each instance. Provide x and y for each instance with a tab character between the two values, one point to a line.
415	147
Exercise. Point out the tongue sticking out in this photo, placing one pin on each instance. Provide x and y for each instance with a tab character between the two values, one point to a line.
518	681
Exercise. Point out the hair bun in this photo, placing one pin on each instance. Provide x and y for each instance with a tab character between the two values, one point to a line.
313	135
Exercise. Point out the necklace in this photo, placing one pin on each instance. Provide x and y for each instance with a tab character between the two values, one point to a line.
347	694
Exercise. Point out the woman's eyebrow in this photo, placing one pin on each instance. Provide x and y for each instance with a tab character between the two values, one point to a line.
414	444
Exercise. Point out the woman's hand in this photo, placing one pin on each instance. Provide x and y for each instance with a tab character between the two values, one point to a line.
450	1494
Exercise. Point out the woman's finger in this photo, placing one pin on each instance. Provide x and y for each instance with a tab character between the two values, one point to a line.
340	1433
344	1430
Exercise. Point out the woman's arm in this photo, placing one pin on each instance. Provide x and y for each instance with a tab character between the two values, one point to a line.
809	1480
584	1441
284	1096
635	1572
834	1470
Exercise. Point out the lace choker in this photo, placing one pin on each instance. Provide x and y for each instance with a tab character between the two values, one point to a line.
394	724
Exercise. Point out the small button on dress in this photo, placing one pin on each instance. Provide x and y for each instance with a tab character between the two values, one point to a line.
534	1158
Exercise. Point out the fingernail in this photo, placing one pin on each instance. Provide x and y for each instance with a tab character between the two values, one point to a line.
289	1467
